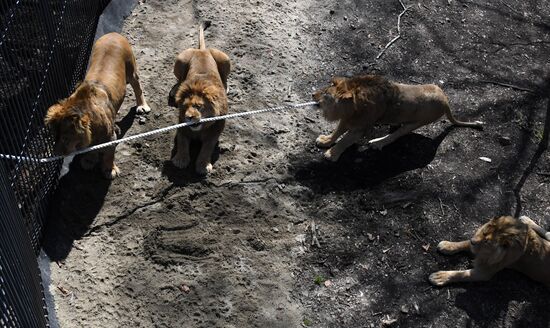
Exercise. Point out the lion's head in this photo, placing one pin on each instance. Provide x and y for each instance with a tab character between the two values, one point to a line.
499	240
197	100
336	101
69	119
346	95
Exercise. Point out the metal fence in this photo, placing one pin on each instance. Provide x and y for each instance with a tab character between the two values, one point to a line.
44	50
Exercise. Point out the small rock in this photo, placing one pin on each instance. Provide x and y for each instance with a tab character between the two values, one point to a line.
370	236
485	159
405	309
184	289
142	120
505	141
384	212
328	283
345	18
331	12
275	229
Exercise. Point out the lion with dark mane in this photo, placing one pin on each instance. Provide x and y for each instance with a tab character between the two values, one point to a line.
359	103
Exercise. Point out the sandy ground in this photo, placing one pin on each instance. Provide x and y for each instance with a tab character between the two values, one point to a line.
161	247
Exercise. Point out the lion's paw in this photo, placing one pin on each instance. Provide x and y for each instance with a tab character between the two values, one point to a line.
323	141
204	169
143	109
526	220
331	156
439	278
111	173
180	162
445	247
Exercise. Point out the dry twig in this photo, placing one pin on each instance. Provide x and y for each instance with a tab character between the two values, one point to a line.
398	30
512	86
314	240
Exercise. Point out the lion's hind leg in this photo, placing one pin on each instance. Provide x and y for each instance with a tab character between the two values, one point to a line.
382	142
538	229
142	106
223	63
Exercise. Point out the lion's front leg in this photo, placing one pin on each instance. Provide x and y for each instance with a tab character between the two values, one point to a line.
182	158
325	141
203	165
450	247
351	137
108	166
442	278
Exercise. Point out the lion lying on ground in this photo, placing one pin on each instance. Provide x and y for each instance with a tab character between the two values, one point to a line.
503	242
359	103
202	77
87	117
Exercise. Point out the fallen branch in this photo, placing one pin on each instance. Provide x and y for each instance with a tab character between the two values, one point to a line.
314	240
512	86
398	30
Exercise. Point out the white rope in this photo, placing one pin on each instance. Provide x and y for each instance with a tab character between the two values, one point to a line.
152	132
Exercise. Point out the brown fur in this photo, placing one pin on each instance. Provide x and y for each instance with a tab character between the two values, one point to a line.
358	103
503	242
200	93
87	117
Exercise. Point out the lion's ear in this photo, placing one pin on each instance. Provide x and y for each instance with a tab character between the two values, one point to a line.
54	114
337	80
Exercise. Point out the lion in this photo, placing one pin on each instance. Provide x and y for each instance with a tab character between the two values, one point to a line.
87	117
359	103
200	93
503	242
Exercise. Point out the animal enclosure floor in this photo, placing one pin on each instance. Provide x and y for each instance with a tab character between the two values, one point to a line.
161	247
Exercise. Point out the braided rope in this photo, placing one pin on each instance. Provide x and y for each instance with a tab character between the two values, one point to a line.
152	132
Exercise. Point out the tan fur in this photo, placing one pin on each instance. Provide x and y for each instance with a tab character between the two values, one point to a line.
503	242
200	93
87	117
358	103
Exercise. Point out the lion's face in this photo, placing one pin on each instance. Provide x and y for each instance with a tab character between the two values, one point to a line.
336	100
70	128
499	239
197	101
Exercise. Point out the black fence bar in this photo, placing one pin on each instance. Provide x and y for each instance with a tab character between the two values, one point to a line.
44	50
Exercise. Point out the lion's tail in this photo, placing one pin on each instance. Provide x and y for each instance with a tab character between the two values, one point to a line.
202	27
476	124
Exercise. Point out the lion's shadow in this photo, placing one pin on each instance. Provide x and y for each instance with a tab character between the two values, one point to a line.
359	169
76	202
183	177
500	294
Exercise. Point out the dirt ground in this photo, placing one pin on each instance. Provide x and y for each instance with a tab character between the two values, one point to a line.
162	247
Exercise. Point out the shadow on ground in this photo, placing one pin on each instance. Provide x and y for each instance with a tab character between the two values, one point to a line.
359	169
78	199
